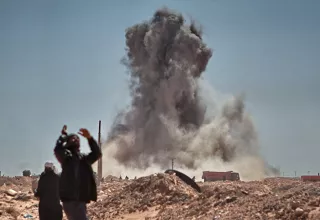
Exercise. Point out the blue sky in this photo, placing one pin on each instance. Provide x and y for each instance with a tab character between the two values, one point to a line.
60	64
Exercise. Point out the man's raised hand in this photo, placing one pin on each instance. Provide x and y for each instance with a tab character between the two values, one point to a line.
64	130
85	133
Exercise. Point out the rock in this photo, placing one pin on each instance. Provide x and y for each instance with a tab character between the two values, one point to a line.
11	192
244	192
22	197
314	203
299	212
271	215
294	204
230	199
281	212
260	194
314	214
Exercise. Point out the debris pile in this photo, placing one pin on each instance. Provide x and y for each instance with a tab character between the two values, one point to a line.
269	199
158	190
164	196
110	178
17	182
16	198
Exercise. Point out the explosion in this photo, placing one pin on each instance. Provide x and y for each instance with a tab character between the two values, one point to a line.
168	117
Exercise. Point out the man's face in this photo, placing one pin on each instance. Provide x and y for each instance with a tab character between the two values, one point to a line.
74	141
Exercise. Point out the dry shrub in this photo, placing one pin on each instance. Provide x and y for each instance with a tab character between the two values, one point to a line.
12	211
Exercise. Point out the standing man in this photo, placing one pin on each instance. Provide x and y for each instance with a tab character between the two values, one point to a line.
77	183
48	194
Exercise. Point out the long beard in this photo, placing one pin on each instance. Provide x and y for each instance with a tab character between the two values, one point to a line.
74	148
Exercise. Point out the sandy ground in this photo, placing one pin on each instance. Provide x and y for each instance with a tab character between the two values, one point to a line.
163	196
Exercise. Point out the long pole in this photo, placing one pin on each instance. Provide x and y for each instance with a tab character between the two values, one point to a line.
172	163
100	160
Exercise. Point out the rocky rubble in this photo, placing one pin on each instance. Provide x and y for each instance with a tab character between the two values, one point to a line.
269	199
163	197
16	198
142	194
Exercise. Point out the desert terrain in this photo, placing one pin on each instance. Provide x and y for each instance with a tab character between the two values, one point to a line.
163	196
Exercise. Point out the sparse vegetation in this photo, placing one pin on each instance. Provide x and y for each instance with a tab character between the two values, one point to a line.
12	211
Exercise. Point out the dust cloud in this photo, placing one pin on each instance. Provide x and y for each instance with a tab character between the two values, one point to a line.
171	116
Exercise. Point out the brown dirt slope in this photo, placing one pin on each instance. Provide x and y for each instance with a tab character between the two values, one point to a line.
163	196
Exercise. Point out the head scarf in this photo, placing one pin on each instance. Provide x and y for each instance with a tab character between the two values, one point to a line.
49	165
73	142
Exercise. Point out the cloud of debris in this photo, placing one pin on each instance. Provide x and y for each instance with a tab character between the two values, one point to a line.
169	116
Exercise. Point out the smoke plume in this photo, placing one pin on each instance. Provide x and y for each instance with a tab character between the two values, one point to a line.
169	116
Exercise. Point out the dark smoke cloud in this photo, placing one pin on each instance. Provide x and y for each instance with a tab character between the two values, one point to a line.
167	117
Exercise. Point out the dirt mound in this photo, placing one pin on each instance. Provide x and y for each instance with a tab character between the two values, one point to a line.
16	198
17	182
110	178
139	195
268	199
163	196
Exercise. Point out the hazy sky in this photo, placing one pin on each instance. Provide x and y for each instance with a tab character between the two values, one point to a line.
60	64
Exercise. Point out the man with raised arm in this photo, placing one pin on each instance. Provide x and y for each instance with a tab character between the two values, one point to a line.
77	182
